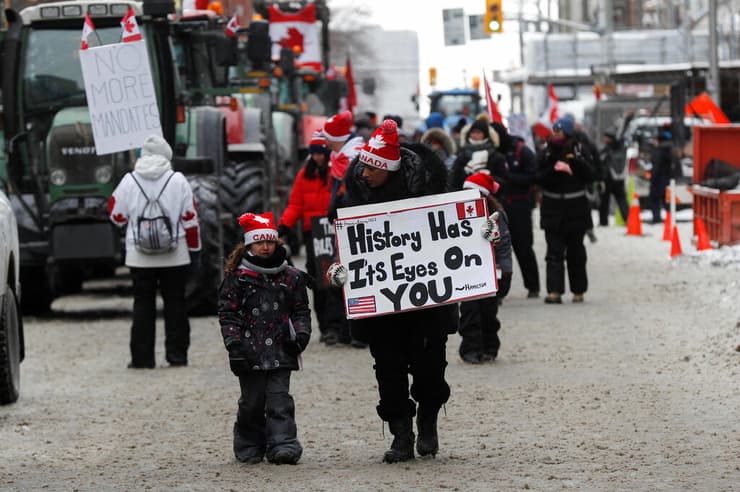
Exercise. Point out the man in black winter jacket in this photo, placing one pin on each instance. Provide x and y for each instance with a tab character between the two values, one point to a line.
410	342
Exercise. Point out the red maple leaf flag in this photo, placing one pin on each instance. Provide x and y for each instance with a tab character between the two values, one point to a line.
232	26
470	210
493	112
87	28
352	96
551	113
129	27
296	29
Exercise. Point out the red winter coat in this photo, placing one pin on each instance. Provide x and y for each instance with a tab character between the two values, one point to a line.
308	198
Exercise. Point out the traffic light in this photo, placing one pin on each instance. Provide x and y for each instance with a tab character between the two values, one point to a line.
493	19
432	76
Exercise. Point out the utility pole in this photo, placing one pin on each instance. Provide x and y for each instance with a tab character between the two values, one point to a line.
714	76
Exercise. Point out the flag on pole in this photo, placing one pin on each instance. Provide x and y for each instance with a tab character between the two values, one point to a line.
551	113
352	93
296	31
232	26
130	27
493	112
87	28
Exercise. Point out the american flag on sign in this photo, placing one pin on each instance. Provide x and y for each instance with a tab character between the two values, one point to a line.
469	210
361	305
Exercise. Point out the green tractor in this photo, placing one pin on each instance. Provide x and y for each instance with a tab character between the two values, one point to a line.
58	185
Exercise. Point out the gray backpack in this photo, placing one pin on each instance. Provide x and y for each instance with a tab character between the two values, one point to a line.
153	232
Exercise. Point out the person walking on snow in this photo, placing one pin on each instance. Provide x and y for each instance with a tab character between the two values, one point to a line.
565	214
410	342
266	324
168	270
479	323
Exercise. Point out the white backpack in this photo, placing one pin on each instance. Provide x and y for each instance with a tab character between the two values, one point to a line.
153	232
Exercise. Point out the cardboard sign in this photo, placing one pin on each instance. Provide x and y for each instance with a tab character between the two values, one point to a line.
120	96
322	236
414	254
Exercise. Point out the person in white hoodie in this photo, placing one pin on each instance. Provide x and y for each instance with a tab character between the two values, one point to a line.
167	270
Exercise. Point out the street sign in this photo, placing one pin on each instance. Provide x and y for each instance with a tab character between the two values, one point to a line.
453	21
477	28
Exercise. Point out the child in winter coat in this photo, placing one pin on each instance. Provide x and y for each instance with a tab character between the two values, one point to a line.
479	324
266	324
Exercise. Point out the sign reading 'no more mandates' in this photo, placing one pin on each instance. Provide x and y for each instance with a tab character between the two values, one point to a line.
414	254
120	96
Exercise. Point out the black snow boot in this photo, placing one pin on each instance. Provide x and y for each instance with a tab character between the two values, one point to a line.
402	447
426	425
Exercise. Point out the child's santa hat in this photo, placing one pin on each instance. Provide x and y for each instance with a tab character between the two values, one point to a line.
338	128
383	150
482	182
258	227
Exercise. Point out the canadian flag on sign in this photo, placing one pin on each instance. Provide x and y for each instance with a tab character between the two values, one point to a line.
296	31
470	210
130	27
87	28
232	26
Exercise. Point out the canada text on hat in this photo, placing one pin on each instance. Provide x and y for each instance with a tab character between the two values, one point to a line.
258	227
482	182
339	127
383	150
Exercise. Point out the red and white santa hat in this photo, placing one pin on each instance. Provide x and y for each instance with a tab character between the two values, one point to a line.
258	227
318	139
383	150
482	182
338	128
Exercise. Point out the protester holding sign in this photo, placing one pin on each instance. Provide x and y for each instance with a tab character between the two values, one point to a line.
479	323
266	325
166	269
411	342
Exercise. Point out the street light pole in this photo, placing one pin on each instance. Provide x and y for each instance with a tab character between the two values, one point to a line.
714	75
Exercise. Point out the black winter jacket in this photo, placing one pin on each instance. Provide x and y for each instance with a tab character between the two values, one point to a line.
563	214
256	307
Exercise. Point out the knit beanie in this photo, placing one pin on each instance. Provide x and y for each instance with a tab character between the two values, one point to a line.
156	145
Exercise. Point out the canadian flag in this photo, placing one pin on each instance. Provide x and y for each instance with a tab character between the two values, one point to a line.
469	210
296	30
493	112
232	26
551	113
130	27
87	28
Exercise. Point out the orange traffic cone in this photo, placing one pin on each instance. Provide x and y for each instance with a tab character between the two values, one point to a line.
675	243
634	223
702	238
667	227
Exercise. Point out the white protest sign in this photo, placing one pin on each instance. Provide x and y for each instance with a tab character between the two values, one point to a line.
415	253
120	96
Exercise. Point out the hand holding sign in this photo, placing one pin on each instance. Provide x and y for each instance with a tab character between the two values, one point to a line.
337	274
490	230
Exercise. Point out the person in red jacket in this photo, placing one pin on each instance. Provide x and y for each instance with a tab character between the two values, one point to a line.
310	198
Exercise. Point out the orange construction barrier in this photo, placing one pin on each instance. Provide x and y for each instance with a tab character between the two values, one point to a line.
667	227
634	223
702	238
675	243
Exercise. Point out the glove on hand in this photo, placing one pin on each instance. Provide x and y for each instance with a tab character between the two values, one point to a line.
237	366
490	230
477	167
336	274
295	347
563	167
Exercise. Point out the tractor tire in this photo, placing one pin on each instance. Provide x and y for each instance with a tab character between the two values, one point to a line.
201	291
242	190
10	349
